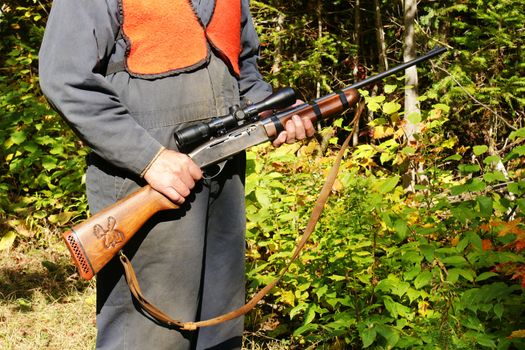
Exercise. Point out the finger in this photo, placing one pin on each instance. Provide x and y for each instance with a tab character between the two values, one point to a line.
308	127
173	195
300	133
280	139
185	182
195	171
290	131
187	171
180	187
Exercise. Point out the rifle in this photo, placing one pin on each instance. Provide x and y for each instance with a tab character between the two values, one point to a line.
94	242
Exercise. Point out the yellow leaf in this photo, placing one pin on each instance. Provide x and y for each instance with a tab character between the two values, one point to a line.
518	334
337	186
381	131
288	297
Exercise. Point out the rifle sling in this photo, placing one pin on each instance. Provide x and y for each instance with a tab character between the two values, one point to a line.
161	317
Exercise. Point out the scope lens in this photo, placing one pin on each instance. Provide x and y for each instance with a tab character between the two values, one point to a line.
192	135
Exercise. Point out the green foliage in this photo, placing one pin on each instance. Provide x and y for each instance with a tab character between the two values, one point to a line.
297	50
388	268
488	80
42	161
421	244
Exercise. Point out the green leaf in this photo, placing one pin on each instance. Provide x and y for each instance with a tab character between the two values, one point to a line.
454	260
389	184
514	187
478	150
445	108
491	160
521	204
408	150
310	315
390	334
475	240
263	196
373	106
7	240
18	137
457	190
468	274
519	151
476	185
453	275
49	163
30	146
337	278
485	276
517	133
423	279
305	328
368	336
391	107
297	310
485	340
486	206
61	218
401	228
469	168
414	117
496	176
454	157
428	252
389	88
498	310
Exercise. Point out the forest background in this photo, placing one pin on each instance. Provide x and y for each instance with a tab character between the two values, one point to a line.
421	243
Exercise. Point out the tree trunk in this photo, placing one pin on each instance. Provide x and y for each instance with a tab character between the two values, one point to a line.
415	170
357	42
357	27
318	10
411	81
276	66
380	37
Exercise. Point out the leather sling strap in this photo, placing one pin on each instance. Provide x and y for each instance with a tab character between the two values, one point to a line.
161	317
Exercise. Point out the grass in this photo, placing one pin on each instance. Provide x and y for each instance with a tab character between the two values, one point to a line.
45	305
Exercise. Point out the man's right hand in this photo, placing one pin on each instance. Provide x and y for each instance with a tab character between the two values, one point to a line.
173	174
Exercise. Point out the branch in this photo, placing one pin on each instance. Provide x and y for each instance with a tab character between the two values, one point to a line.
476	100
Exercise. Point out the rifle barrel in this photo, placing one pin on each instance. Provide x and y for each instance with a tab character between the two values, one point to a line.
434	52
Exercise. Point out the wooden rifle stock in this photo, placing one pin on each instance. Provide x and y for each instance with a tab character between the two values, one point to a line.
94	242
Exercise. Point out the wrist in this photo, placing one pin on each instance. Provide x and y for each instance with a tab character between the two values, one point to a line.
143	173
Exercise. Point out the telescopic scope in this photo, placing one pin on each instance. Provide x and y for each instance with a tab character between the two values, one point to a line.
196	134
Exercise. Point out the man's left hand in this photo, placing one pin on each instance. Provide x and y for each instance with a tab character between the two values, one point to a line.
295	129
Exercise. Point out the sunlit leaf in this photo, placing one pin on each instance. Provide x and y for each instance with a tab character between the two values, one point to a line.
391	107
478	150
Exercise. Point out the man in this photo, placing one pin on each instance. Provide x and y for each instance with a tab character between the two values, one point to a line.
126	74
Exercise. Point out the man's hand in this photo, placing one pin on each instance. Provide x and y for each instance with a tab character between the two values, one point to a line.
173	174
295	129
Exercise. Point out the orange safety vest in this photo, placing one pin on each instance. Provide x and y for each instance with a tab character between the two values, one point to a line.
166	37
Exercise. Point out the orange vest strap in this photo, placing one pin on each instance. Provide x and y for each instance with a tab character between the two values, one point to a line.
224	30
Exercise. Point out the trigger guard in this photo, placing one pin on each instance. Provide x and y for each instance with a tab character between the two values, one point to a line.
213	170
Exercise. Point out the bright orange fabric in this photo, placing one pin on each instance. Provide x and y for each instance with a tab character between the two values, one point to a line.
165	36
224	30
